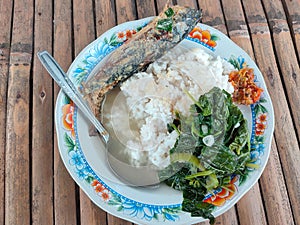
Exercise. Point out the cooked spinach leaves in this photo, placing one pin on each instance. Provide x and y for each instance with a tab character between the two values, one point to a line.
212	146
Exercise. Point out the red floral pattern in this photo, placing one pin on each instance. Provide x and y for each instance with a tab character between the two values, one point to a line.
68	113
261	124
204	36
125	35
101	190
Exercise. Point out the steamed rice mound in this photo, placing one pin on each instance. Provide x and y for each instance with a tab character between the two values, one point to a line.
153	97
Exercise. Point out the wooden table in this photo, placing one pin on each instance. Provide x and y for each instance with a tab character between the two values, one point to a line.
35	187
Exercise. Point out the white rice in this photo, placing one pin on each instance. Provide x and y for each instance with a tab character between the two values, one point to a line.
152	98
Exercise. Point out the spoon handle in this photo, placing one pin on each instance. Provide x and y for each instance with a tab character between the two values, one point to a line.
68	87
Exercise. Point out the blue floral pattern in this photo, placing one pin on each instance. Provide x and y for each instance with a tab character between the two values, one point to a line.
92	58
76	160
142	211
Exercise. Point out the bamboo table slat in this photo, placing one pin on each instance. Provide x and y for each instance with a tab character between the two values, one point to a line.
42	120
18	139
35	187
5	37
64	206
292	9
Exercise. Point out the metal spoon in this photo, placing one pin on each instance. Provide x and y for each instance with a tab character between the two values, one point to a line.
130	175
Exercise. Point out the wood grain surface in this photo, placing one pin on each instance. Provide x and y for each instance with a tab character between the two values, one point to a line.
145	8
35	187
18	143
287	61
213	14
125	10
5	37
292	11
105	15
42	120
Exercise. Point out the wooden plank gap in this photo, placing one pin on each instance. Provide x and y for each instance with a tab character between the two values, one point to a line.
53	113
52	40
78	204
156	9
30	142
94	18
237	214
72	30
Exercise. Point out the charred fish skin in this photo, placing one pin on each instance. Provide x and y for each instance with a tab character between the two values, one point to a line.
153	41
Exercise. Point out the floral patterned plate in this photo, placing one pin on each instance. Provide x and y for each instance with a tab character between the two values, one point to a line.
84	155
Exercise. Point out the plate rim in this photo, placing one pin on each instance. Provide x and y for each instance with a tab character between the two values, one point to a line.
116	28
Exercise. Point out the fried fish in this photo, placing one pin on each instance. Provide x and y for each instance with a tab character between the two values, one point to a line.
163	33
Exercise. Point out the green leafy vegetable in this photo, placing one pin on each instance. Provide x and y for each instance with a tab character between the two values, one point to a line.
220	159
165	24
169	12
198	208
213	145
